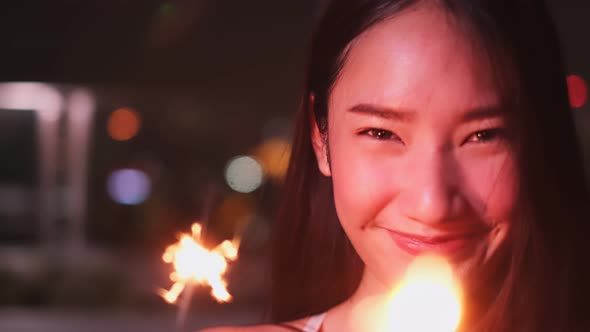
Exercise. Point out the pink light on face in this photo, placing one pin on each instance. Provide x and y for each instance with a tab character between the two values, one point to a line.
577	90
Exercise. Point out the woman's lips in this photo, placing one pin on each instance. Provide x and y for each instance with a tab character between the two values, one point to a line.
445	245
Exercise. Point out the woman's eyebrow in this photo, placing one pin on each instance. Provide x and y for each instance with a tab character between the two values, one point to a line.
482	113
384	112
475	114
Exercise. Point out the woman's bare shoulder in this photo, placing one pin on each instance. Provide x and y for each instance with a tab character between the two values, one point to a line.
296	325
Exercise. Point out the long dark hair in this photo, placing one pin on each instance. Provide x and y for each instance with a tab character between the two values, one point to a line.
541	285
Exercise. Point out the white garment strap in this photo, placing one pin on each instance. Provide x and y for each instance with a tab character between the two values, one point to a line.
314	323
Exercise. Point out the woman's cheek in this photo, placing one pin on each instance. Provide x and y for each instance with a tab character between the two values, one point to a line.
360	189
493	186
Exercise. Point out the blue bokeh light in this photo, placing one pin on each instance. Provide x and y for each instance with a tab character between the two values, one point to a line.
128	186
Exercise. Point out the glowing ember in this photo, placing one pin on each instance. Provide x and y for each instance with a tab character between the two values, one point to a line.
427	300
194	264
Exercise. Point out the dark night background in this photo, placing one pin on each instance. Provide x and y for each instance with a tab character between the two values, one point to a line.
209	80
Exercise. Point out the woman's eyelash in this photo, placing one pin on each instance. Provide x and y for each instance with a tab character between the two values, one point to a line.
486	135
380	134
480	136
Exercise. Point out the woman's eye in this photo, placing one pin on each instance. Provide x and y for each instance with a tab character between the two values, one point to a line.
380	134
487	135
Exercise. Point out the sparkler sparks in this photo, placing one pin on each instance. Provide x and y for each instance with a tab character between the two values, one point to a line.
428	299
196	265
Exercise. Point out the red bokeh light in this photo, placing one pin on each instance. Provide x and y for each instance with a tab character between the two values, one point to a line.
578	91
123	124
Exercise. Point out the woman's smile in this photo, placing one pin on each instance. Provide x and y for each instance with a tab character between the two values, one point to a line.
450	245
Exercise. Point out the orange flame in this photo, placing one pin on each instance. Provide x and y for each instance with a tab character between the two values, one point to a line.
194	264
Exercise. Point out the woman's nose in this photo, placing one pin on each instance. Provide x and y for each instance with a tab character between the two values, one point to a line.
431	193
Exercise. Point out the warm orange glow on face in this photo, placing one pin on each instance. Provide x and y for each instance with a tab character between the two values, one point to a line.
194	264
123	124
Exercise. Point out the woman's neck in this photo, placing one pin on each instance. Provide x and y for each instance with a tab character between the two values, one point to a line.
349	316
369	287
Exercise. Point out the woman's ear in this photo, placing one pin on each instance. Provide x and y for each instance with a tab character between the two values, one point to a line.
319	141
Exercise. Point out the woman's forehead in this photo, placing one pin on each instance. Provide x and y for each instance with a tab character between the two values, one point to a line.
417	59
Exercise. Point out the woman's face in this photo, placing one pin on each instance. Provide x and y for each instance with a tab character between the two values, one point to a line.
417	148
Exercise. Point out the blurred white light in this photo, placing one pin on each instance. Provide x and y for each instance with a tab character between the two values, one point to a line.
40	97
128	186
81	104
243	174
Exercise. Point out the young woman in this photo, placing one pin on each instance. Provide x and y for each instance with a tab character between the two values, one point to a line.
434	126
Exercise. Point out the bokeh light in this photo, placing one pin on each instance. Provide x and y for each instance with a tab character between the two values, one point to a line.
243	174
42	98
128	186
123	124
274	156
577	90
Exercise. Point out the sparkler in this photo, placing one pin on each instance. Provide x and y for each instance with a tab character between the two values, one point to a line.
428	299
196	265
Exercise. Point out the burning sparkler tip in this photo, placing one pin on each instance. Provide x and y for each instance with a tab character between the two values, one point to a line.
196	229
194	264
